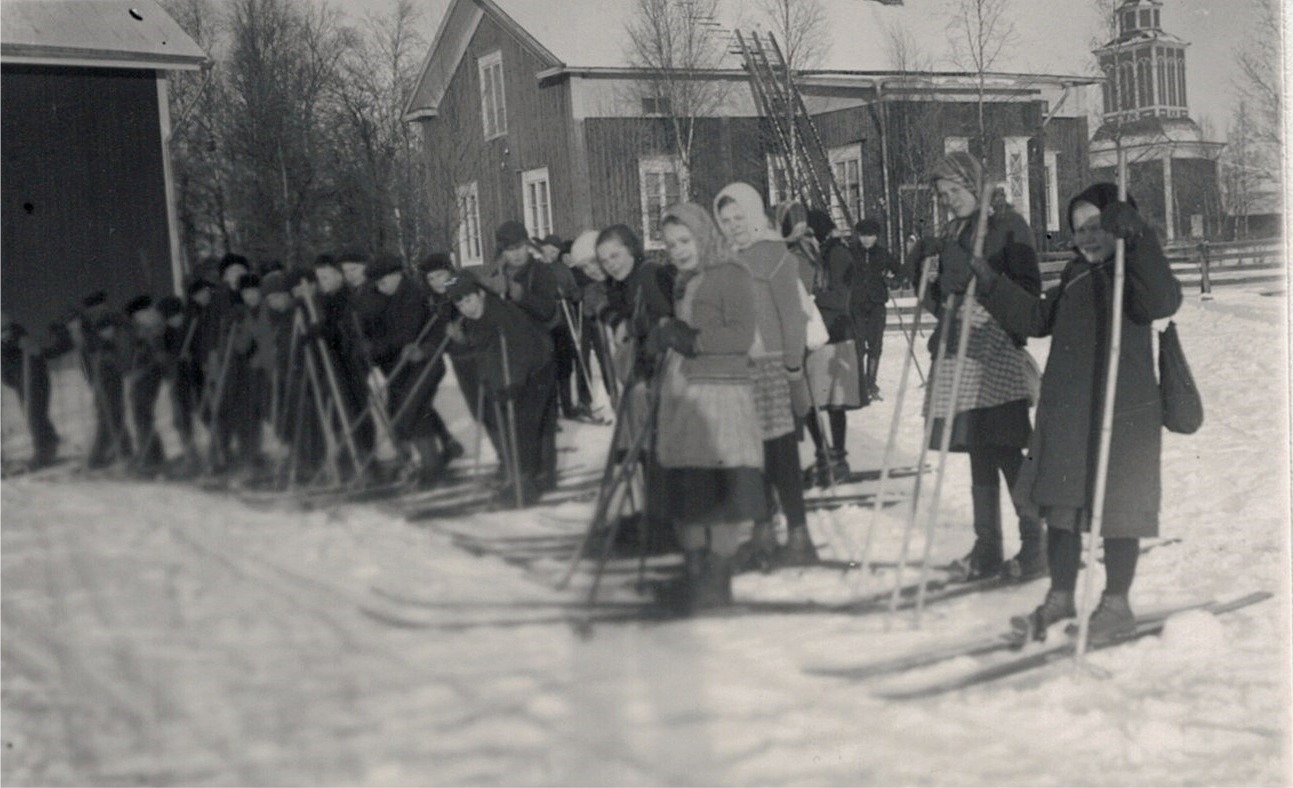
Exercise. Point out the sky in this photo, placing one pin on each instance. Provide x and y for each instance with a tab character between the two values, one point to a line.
1215	29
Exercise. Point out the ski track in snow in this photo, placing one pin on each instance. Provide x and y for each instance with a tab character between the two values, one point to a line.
157	634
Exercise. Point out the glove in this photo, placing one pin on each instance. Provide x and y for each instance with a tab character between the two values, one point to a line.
454	331
675	334
956	269
413	353
609	315
1122	221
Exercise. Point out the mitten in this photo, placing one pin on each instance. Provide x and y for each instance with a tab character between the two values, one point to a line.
1122	220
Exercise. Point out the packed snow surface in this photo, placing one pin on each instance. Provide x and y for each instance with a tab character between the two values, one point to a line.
154	633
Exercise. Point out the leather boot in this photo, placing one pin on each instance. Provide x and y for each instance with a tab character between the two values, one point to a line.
818	474
706	583
799	550
984	559
1112	619
873	367
1031	561
1057	606
760	552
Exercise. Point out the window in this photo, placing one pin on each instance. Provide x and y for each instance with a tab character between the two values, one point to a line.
1144	17
1052	191
656	105
1017	174
469	250
956	144
663	181
1143	82
1159	66
1180	76
846	166
778	179
535	194
493	107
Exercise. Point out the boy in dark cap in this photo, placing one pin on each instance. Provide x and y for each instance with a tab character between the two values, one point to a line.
177	340
329	305
148	367
437	270
516	371
874	272
26	371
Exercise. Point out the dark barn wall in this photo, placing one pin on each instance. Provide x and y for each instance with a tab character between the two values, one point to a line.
83	188
1068	138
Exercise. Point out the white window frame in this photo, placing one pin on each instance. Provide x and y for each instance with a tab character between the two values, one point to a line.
1016	149
842	157
778	176
955	145
470	245
1052	191
662	166
536	196
493	99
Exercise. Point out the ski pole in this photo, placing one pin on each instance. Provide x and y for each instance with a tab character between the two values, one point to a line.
376	391
915	329
480	420
958	368
331	376
579	357
325	421
1106	423
887	459
408	400
511	422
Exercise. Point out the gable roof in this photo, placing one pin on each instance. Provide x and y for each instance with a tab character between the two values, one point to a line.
100	33
589	35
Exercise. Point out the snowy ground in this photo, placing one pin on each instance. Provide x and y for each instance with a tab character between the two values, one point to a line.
156	634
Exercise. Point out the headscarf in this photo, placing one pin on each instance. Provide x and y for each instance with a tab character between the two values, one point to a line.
710	244
961	168
751	202
1101	195
792	224
964	170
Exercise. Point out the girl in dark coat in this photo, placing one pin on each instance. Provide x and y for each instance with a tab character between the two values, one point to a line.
1058	477
998	378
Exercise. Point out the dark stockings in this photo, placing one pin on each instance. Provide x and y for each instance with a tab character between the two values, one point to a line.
987	461
1064	549
781	472
838	421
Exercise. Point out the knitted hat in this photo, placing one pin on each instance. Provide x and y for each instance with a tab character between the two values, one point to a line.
584	247
138	304
510	233
248	282
436	261
274	282
324	259
384	264
196	286
105	320
230	260
463	283
868	226
352	256
552	239
170	306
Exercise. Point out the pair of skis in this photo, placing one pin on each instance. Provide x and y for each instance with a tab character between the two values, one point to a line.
1028	657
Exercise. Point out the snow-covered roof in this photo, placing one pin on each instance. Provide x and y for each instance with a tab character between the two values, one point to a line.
102	33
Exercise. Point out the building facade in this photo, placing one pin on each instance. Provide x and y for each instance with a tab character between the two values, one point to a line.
518	129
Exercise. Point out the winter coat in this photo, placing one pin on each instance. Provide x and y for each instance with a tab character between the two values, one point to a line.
528	350
398	320
782	324
1060	468
539	291
869	283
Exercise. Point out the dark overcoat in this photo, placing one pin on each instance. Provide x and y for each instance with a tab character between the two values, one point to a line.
1059	471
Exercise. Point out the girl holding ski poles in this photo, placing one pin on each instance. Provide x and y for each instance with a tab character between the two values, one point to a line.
998	377
1057	480
708	440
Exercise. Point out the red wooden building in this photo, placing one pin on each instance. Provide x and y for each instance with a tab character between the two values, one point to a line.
84	121
532	111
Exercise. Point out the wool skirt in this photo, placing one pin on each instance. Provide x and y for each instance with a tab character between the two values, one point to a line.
707	422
